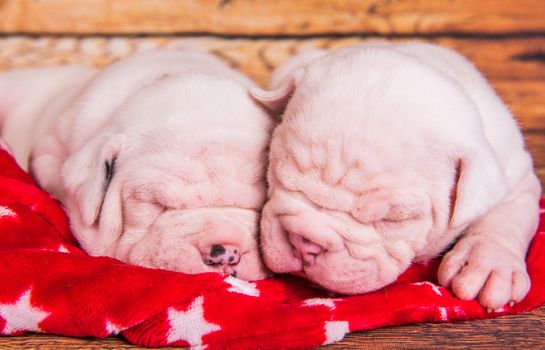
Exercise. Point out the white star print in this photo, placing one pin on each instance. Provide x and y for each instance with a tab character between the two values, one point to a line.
21	315
330	303
62	249
190	325
242	287
7	212
335	331
444	313
112	328
435	288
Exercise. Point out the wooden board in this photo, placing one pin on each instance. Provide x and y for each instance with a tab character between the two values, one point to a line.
535	142
499	59
272	17
526	98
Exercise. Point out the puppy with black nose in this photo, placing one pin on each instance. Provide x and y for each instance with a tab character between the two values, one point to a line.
387	154
158	159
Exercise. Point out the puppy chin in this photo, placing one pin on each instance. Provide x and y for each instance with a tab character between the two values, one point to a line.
346	275
281	261
334	268
337	271
252	268
181	259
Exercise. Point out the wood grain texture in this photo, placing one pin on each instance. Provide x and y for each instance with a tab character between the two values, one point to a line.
535	142
272	17
500	59
526	98
524	331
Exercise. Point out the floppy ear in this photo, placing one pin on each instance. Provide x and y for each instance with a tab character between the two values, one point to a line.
87	175
285	79
275	100
480	185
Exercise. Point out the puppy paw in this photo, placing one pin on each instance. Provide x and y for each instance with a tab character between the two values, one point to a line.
480	267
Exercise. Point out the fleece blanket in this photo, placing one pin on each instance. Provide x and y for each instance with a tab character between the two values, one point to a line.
49	285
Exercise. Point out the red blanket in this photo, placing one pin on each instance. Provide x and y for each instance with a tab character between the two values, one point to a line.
49	285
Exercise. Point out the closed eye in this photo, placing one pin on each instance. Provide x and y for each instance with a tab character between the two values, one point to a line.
141	214
164	207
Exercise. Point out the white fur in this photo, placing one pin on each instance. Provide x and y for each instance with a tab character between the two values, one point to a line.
385	155
186	142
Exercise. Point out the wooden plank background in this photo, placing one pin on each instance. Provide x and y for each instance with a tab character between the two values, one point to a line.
272	17
505	39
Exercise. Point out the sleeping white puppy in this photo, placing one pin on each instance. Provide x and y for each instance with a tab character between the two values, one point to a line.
158	159
386	155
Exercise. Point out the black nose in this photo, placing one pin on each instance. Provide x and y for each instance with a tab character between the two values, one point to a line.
217	250
222	255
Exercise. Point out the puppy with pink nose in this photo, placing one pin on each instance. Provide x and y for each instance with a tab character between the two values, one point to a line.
158	159
394	153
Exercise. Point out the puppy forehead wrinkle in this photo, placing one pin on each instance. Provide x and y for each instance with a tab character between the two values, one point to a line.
360	144
172	189
354	233
213	163
318	183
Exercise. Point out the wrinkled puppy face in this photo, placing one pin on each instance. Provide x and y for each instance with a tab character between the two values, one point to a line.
377	163
350	226
163	227
179	182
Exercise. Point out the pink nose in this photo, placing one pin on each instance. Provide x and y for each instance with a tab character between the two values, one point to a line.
225	257
307	250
